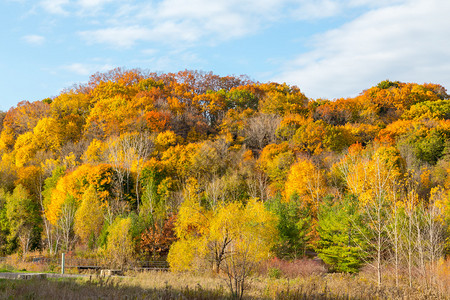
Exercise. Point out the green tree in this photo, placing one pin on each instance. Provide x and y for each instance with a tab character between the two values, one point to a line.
429	140
23	216
6	245
120	248
340	244
439	109
156	189
294	226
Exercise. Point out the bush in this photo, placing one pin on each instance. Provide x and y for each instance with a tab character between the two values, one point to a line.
277	268
274	273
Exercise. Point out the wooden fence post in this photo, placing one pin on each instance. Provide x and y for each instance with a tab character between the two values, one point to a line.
62	263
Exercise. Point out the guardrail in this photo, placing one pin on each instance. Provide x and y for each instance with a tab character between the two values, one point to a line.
84	264
161	265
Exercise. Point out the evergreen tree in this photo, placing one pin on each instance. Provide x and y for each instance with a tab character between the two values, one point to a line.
294	226
340	242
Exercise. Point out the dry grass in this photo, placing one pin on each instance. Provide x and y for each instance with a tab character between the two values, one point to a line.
162	279
15	262
343	286
302	279
292	269
101	288
443	277
157	285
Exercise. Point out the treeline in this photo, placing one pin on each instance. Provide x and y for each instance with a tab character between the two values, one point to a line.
133	164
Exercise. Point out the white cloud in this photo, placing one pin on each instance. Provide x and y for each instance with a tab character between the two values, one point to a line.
179	21
118	36
321	9
149	51
69	7
86	69
92	3
373	4
34	39
182	21
55	6
90	7
406	42
311	10
171	61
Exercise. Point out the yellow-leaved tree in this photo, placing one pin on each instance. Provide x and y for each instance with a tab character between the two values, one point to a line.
244	236
95	152
191	229
119	249
68	185
7	139
306	181
45	136
89	216
233	238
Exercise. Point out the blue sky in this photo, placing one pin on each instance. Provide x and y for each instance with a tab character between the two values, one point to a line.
328	48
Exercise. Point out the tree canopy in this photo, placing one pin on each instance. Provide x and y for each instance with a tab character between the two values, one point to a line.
133	163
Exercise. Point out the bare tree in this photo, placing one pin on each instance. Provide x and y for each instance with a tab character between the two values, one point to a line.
214	191
261	130
394	232
116	159
129	152
258	183
136	149
66	222
372	180
435	232
408	235
238	267
430	235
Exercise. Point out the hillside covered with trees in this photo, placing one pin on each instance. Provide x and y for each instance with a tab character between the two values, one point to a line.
221	173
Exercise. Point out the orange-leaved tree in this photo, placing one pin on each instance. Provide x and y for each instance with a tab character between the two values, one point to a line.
155	242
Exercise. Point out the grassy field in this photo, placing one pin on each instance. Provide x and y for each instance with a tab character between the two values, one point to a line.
166	285
303	279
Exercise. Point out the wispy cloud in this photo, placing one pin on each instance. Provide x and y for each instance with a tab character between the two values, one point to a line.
55	6
205	21
71	7
90	7
189	22
92	3
311	10
149	51
175	21
86	69
34	39
125	23
123	37
400	42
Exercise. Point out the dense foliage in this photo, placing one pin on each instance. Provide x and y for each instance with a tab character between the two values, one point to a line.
133	162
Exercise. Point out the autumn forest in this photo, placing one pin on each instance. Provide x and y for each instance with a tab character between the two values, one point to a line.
224	174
